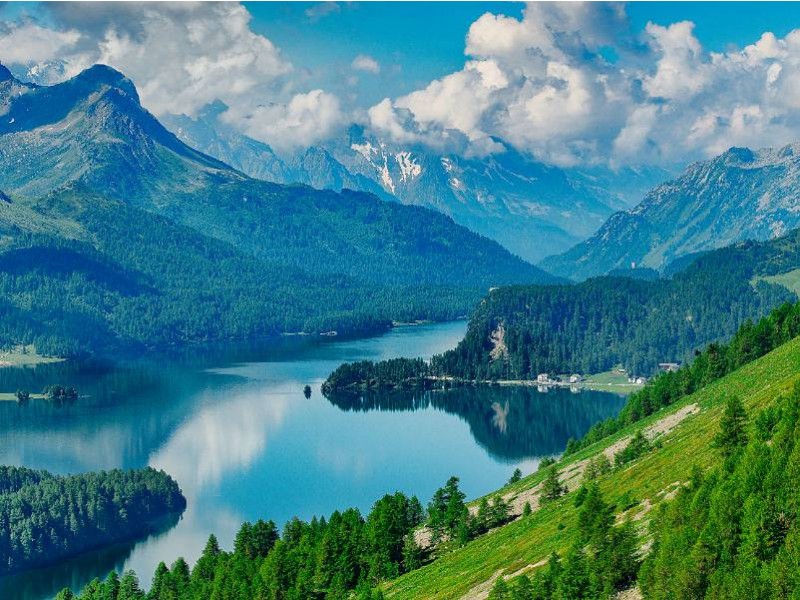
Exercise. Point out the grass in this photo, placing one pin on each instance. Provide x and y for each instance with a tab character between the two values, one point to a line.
530	541
790	280
22	356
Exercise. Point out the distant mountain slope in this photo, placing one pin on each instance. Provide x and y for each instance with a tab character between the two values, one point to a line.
530	208
742	194
200	250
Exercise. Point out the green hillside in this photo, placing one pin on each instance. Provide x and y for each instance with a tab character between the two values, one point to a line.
682	435
116	235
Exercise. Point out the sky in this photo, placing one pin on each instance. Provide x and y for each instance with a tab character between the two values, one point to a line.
569	83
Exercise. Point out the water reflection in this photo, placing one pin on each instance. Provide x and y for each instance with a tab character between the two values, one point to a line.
235	428
511	423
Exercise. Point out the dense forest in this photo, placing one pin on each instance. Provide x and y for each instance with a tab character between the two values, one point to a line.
750	342
517	332
733	533
343	556
144	281
45	518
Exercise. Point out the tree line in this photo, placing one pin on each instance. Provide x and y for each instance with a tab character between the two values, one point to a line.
45	518
751	341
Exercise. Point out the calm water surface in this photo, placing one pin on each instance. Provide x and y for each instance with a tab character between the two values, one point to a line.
233	427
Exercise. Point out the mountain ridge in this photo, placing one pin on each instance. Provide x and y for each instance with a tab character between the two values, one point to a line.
87	168
740	194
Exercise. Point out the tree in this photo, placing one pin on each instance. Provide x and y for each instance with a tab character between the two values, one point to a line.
447	509
412	553
23	396
551	487
500	590
129	587
307	392
732	434
515	476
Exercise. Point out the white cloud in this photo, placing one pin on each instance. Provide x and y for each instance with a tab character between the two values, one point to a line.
30	43
321	10
305	120
573	83
366	63
681	71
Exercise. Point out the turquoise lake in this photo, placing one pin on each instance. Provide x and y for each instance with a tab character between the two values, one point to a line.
233	427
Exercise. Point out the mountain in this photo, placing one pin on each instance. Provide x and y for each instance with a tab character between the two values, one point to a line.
527	206
741	194
116	233
313	166
531	208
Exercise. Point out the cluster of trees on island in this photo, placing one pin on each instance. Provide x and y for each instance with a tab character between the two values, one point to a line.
46	517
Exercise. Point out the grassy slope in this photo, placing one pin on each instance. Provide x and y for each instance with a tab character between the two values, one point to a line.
790	280
526	542
19	357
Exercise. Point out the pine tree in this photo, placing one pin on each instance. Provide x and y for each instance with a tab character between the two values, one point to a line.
551	487
732	433
412	553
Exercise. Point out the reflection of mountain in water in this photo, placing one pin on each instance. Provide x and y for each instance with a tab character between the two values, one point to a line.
511	423
123	413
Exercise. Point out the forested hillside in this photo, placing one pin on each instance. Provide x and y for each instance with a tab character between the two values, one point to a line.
45	518
114	234
517	332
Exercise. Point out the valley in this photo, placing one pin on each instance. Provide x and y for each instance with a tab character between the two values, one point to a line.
493	302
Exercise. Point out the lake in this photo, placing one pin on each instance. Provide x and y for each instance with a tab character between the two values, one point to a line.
233	427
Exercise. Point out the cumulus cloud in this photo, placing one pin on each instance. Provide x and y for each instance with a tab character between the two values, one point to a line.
366	63
538	83
30	43
305	120
572	83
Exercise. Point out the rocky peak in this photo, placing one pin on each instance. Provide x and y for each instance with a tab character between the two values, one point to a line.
103	75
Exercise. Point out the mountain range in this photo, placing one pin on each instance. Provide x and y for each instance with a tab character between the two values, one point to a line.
114	232
741	194
531	208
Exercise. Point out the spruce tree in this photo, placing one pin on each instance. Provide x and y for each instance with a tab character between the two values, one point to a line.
732	433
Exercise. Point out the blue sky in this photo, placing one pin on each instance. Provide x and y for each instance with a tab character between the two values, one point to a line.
421	41
570	83
414	42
